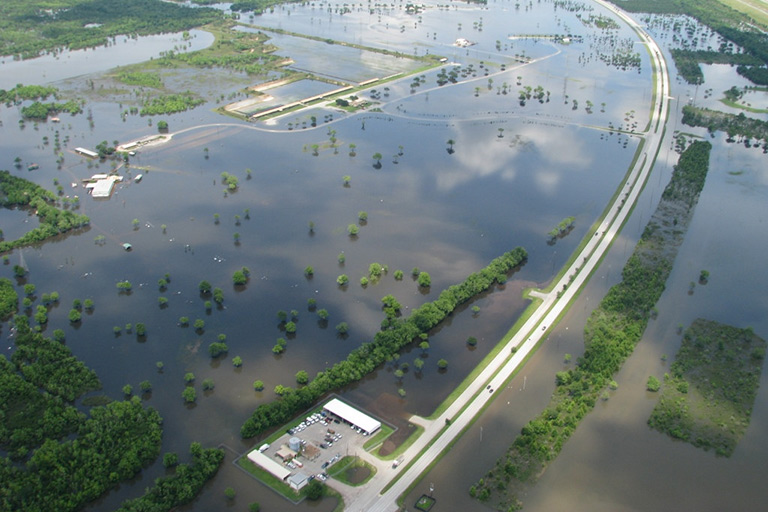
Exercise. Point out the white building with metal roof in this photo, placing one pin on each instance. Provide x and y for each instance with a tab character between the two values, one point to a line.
353	416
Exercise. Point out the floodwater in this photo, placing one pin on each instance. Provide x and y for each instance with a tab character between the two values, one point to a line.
510	175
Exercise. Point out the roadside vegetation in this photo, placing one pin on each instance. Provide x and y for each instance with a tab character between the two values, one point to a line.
708	394
611	333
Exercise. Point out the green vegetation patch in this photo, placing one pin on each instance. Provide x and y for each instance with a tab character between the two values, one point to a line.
172	491
26	92
170	103
15	192
9	299
732	124
140	78
352	471
733	25
612	331
31	27
28	417
708	395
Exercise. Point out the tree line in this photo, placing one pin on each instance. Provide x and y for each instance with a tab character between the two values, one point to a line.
610	335
395	335
175	490
733	124
53	221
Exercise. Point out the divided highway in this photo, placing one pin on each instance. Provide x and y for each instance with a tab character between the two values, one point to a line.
369	498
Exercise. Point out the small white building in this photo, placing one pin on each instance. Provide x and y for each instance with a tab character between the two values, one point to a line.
298	480
86	152
102	186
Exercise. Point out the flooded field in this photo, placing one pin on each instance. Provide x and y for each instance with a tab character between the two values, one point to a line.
467	171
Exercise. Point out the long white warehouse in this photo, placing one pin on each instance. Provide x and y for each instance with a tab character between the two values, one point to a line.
353	416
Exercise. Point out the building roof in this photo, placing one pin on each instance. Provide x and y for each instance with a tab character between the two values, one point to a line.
298	479
269	465
352	415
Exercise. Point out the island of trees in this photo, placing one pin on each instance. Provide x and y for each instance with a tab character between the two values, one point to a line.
709	392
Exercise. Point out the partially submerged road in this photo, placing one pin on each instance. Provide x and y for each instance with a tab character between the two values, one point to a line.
468	405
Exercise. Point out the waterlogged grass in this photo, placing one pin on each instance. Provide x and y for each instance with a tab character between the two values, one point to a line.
734	104
267	478
708	395
341	470
377	440
403	446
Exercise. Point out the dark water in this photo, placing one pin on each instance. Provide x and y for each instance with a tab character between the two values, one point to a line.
446	213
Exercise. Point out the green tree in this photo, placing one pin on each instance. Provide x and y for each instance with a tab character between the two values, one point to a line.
342	258
29	289
204	287
189	395
424	280
258	385
217	348
208	384
315	490
189	377
254	507
170	459
353	230
239	278
309	271
290	327
471	341
342	328
237	361
141	329
377	157
398	275
58	335
74	316
362	216
653	384
162	126
218	295
199	324
183	321
229	492
302	377
342	280
346	180
442	364
145	386
418	363
322	314
127	390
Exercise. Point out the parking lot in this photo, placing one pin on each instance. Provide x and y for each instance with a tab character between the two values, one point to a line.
324	439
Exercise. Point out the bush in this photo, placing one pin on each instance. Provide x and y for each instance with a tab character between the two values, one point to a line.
653	384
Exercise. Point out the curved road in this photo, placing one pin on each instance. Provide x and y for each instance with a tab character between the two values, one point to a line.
473	399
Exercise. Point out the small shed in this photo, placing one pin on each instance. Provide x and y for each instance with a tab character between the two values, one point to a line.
298	480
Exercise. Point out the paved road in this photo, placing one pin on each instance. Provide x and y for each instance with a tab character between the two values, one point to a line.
369	498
